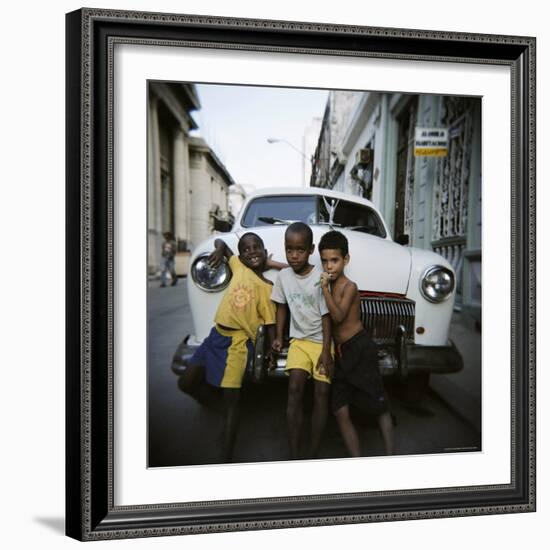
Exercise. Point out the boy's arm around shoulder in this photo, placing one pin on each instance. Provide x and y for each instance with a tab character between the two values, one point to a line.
339	306
270	263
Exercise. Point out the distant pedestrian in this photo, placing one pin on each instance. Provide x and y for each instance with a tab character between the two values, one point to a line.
168	259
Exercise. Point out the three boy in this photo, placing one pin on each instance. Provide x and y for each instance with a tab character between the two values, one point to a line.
323	305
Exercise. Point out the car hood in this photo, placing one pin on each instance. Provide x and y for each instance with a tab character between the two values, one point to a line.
376	264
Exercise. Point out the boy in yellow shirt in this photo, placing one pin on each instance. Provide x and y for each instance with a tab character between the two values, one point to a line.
221	359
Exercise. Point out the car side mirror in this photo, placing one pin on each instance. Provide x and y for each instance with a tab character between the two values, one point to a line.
402	239
222	225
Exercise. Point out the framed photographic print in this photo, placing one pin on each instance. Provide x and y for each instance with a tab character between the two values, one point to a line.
212	164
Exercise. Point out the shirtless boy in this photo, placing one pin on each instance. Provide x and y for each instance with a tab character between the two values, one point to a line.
356	378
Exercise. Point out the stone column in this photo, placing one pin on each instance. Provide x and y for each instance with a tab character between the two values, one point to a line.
188	195
380	153
386	181
201	187
153	185
181	185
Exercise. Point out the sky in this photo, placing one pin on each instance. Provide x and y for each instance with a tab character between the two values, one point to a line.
236	122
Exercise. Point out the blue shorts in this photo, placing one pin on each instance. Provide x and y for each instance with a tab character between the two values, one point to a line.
224	354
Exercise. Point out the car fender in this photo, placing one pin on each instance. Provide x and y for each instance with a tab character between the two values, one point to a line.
434	318
205	304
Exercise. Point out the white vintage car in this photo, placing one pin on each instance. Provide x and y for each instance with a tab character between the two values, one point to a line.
407	294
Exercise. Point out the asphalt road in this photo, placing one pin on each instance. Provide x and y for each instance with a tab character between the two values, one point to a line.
182	432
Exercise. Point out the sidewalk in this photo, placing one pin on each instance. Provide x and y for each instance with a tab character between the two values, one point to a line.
462	390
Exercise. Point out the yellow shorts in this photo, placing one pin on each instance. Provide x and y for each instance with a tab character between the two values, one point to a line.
303	355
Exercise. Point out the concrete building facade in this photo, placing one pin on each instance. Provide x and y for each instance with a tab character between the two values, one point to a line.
237	195
187	186
435	201
339	109
209	190
309	143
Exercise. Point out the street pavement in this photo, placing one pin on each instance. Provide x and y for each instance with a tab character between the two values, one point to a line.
182	432
462	390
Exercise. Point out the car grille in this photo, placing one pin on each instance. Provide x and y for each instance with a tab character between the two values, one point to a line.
382	315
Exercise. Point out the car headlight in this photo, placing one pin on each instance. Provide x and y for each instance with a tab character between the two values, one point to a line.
210	279
437	283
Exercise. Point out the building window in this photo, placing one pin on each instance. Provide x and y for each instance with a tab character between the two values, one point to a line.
450	199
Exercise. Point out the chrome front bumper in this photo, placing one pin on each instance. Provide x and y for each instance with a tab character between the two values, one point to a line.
400	359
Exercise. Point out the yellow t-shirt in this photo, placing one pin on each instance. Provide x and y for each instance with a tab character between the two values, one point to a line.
246	303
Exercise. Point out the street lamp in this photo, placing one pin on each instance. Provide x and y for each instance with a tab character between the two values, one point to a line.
275	140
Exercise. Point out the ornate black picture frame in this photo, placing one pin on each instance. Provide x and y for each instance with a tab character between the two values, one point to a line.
90	509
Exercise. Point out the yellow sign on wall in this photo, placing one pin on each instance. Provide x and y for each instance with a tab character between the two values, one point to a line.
431	142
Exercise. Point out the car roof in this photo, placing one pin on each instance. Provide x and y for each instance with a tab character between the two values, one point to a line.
269	191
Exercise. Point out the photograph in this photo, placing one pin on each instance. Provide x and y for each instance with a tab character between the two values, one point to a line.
277	237
313	273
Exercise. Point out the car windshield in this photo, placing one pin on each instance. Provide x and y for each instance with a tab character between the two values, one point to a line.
312	209
281	209
354	216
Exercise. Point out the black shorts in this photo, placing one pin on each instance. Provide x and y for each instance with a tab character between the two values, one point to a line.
357	380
